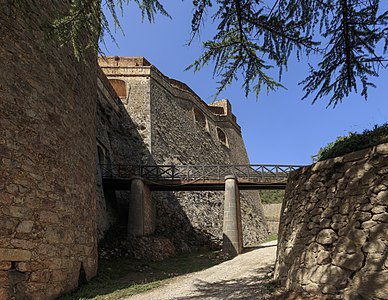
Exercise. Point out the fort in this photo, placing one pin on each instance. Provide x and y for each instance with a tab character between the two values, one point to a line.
65	123
61	120
156	120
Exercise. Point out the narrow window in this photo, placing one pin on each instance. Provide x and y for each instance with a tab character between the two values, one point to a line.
222	137
120	87
200	118
101	156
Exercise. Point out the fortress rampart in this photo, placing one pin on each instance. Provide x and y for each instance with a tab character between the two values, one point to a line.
177	127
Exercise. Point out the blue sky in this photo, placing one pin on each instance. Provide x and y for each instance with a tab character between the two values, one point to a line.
277	128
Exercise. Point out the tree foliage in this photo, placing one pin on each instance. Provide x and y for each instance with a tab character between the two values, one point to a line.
271	196
252	36
86	19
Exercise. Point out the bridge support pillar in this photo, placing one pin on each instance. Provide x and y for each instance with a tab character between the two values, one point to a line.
232	228
140	213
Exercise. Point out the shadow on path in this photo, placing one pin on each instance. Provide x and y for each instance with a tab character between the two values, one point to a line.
249	249
256	286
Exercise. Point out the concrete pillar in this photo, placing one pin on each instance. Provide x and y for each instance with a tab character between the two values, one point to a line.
138	214
232	229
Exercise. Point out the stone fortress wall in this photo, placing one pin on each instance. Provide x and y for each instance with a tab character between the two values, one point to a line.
119	141
59	118
334	227
177	127
272	216
47	157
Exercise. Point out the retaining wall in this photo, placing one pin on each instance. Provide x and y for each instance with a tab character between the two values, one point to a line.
272	216
334	227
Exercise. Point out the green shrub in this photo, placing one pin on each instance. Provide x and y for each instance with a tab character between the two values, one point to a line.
271	196
354	142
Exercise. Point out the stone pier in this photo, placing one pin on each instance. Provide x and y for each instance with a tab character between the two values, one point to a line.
232	229
140	213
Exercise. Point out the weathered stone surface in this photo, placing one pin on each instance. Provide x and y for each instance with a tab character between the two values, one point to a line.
15	254
371	285
356	243
375	247
5	265
47	146
25	227
381	198
327	237
23	267
323	258
338	225
272	216
349	261
368	224
4	293
325	274
381	217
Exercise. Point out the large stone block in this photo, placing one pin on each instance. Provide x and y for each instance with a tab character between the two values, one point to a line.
348	261
327	237
15	254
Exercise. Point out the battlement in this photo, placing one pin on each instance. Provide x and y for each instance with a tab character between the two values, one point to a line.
224	108
123	61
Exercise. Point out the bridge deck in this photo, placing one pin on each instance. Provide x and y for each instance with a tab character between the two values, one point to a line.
198	185
197	178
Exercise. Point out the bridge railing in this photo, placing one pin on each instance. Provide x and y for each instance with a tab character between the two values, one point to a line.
198	172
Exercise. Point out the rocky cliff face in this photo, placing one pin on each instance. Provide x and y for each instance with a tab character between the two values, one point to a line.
334	227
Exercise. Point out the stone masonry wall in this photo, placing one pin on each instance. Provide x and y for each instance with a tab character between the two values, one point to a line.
47	157
334	227
120	141
164	111
272	215
178	139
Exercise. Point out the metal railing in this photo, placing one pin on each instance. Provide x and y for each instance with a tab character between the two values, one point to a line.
197	172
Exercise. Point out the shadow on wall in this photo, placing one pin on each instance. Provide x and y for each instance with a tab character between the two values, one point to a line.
334	228
123	144
187	234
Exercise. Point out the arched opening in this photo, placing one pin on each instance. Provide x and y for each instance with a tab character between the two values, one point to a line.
200	118
222	137
120	87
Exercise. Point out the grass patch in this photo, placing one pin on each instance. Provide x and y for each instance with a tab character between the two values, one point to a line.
122	277
271	237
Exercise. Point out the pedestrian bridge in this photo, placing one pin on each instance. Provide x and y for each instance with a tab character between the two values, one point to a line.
142	180
196	177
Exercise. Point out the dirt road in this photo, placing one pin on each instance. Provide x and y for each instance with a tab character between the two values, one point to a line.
243	277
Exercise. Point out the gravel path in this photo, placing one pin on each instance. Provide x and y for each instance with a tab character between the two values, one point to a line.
240	278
